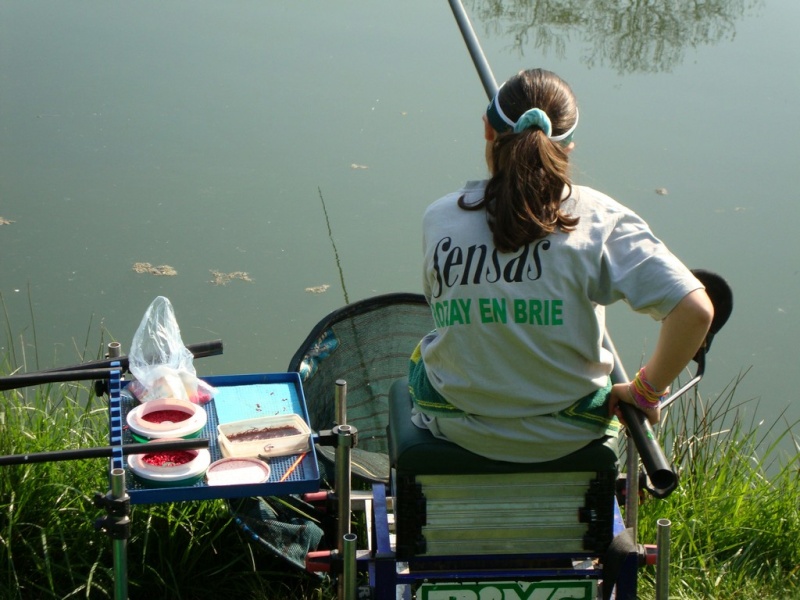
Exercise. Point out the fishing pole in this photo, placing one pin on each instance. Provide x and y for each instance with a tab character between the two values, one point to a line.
333	244
96	369
103	451
198	350
474	47
662	476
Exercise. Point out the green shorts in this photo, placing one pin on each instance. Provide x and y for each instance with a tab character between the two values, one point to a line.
590	412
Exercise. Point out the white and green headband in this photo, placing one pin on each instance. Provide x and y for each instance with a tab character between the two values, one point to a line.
534	117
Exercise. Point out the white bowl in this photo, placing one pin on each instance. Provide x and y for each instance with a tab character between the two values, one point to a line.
237	471
190	426
152	468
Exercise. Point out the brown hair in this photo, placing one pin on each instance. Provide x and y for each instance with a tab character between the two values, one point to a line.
529	171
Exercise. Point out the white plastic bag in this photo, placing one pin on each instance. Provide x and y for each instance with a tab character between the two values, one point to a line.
162	365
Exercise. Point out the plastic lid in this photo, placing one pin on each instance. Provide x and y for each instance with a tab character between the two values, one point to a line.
237	471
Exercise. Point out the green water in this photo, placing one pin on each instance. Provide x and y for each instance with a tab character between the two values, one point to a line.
205	136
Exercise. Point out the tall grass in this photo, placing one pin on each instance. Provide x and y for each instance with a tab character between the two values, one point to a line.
42	506
736	513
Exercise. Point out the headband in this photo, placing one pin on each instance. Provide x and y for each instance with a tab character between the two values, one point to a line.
534	117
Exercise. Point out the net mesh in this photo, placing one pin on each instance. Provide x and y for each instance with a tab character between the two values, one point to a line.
367	344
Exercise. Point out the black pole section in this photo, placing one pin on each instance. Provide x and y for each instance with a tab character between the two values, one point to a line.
474	47
17	381
102	452
663	478
661	475
96	369
199	350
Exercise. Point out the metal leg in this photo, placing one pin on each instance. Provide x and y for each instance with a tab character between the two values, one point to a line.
340	402
117	525
344	444
632	487
349	579
662	562
345	440
120	545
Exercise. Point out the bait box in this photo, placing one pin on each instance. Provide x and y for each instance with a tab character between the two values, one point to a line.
269	441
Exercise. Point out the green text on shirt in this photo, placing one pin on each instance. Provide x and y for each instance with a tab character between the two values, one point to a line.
530	311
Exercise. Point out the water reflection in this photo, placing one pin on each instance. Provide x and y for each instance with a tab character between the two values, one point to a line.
633	36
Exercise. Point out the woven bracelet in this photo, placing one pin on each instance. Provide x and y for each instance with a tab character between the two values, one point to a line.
643	393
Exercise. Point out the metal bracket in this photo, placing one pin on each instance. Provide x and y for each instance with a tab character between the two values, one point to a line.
117	523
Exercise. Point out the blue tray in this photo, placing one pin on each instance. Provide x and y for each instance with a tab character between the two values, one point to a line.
238	397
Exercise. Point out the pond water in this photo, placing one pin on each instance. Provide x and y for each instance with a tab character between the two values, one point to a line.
299	143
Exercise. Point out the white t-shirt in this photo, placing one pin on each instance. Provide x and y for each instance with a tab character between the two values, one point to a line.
519	334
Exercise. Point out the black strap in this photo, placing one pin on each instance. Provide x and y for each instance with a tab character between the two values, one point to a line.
621	549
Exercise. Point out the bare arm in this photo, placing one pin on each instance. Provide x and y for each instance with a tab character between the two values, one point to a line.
682	332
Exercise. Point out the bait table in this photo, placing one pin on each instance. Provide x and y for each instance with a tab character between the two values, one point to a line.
237	397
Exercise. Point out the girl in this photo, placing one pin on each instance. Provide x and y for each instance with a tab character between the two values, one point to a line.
518	270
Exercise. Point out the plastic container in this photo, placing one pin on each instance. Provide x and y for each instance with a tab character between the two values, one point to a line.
280	435
170	468
166	418
237	471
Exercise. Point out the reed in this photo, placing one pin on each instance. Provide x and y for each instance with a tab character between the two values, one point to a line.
736	513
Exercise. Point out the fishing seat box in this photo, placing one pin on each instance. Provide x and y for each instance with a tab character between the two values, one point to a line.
450	501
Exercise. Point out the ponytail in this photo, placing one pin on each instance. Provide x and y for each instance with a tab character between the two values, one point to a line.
530	167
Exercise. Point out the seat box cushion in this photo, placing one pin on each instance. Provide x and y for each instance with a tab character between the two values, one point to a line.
416	451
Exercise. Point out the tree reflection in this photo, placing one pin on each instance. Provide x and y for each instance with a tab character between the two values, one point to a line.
630	36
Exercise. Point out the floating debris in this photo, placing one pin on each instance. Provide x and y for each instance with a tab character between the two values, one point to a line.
662	191
162	270
4	221
318	289
220	278
354	166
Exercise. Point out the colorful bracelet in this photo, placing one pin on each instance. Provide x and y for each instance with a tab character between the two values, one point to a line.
644	394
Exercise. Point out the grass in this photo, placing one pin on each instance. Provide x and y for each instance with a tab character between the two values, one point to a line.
735	516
